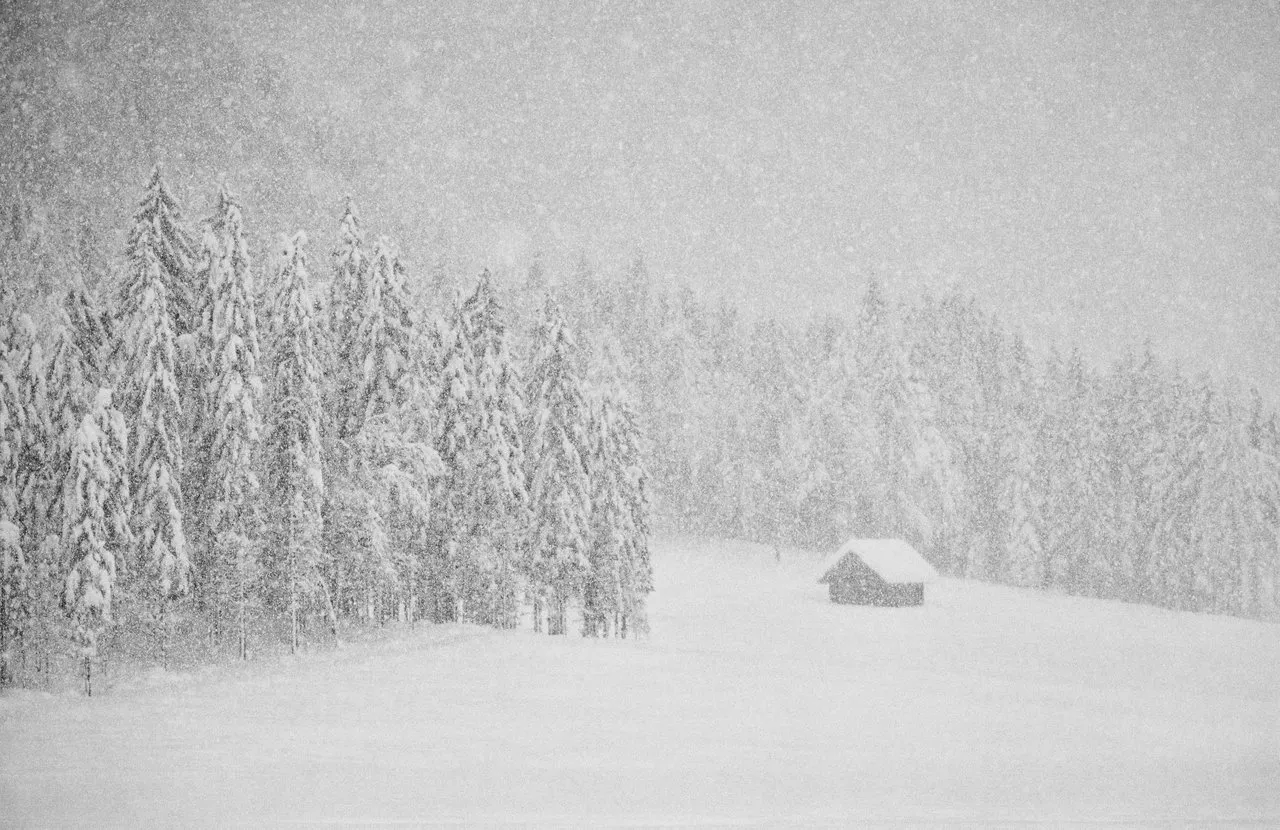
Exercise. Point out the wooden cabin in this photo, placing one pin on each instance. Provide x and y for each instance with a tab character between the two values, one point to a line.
877	572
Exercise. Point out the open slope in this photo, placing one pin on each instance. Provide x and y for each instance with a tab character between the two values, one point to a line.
753	700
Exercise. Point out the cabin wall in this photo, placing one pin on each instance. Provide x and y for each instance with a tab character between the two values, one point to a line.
859	590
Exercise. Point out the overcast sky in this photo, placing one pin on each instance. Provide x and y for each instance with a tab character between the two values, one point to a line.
1098	172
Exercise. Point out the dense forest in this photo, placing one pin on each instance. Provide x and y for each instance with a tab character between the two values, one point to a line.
198	445
933	421
196	437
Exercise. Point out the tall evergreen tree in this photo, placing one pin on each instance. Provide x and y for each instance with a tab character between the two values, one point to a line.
96	528
348	299
484	504
389	457
621	573
154	411
75	370
158	231
1019	503
14	607
295	481
236	390
556	454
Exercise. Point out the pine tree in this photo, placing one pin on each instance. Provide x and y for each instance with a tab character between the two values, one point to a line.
1176	471
383	341
621	574
14	602
96	528
346	508
1019	506
34	491
25	444
454	446
1262	579
396	396
380	439
154	412
1231	527
484	504
295	481
348	299
556	453
76	369
235	392
196	390
14	608
158	231
836	443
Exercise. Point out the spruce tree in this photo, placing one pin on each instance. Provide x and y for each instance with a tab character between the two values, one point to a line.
295	481
556	452
345	508
348	299
1019	505
25	492
621	574
453	443
381	441
13	567
232	493
395	421
158	228
75	370
15	605
95	532
484	504
154	412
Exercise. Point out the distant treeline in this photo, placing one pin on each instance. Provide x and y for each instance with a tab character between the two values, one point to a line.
418	444
930	420
180	451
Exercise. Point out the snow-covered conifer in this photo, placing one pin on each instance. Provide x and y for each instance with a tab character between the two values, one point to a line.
158	231
95	531
154	411
383	348
235	391
1019	504
295	482
73	373
13	571
348	298
14	600
556	453
621	574
483	501
24	354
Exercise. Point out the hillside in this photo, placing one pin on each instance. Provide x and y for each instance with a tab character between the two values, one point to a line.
752	700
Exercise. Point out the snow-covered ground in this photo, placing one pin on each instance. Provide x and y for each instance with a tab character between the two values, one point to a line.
753	700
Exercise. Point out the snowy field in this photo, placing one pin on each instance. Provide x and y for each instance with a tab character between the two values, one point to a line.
753	701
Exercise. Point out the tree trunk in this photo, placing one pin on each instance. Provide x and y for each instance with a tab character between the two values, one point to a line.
330	612
557	624
242	612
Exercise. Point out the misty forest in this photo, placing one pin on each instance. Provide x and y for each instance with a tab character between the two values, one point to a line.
515	413
199	440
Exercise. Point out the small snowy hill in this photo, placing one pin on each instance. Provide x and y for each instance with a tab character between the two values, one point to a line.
753	700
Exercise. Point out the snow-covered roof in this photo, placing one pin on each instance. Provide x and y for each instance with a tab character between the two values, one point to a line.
893	560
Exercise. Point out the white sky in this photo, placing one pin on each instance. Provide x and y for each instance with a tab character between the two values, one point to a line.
1097	172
